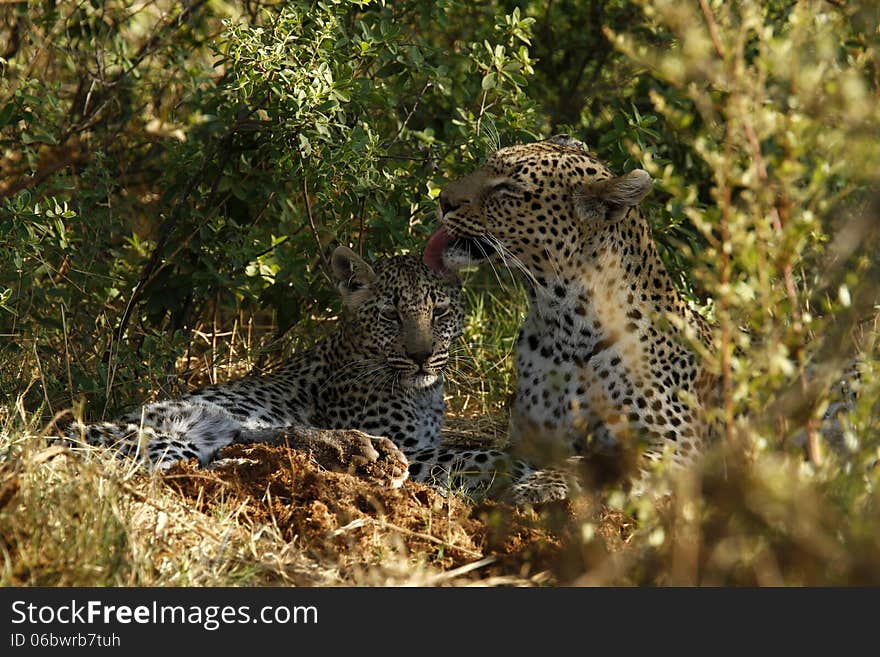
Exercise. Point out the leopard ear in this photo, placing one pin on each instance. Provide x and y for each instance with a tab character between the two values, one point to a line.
352	275
567	140
611	197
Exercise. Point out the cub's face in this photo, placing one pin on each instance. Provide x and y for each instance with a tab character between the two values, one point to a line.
403	316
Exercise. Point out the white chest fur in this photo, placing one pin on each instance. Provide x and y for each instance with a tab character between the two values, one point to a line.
579	362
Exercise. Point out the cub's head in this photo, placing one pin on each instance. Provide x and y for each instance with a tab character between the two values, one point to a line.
400	314
532	203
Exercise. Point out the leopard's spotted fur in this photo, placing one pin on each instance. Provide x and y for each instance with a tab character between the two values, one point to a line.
376	383
605	357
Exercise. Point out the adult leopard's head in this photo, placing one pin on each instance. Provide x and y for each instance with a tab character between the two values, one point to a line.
401	315
532	204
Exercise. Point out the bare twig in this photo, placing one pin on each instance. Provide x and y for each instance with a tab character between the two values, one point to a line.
67	357
461	570
860	234
778	214
54	160
362	229
713	28
42	380
482	111
409	115
724	301
215	329
427	537
324	265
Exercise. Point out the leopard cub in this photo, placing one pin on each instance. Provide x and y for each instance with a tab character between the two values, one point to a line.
372	389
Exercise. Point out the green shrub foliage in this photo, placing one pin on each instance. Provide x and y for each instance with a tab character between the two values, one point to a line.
176	163
174	172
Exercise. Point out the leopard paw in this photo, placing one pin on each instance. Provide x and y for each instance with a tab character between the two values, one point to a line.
372	457
541	487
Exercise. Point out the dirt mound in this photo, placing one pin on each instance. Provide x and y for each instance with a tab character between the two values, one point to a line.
360	525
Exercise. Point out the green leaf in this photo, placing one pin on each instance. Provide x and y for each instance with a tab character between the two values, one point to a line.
6	113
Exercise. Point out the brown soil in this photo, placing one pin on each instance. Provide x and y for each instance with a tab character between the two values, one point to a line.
363	527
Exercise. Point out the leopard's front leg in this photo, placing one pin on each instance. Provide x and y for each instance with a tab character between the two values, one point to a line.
488	473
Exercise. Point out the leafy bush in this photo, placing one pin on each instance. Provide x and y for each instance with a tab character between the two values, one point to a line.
181	166
777	102
174	176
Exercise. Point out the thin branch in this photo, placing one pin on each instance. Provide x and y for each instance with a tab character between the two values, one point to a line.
426	537
713	28
324	265
724	301
482	111
461	570
409	115
42	379
64	154
55	160
362	228
778	215
860	234
167	227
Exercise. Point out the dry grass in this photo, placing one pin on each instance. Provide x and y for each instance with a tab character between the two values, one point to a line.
78	517
753	515
75	519
82	518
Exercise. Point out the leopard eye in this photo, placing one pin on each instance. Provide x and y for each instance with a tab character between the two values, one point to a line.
390	314
507	187
441	311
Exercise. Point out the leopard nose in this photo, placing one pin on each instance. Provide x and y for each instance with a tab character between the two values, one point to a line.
419	357
447	205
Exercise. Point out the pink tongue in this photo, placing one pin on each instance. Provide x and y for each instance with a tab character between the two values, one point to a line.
433	255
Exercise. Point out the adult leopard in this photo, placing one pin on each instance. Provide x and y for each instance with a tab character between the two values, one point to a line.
372	389
604	359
